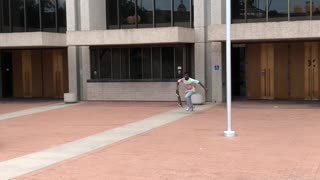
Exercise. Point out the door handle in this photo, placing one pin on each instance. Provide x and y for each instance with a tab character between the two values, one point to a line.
309	63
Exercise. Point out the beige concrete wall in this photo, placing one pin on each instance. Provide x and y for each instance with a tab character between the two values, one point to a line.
131	36
270	31
32	39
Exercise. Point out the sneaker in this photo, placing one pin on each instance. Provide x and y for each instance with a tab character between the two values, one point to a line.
190	109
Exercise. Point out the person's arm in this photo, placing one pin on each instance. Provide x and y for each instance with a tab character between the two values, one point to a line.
178	86
203	86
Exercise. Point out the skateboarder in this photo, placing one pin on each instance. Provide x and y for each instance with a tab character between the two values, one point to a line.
190	89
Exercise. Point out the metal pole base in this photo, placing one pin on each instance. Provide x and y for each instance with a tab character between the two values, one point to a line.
229	133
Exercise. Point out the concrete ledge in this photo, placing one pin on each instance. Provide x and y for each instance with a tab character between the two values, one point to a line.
32	39
269	31
131	36
197	99
70	98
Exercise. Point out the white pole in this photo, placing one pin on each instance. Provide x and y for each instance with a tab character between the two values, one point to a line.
229	132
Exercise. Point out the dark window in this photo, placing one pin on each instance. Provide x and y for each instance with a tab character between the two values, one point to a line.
127	14
135	63
145	13
95	58
179	62
299	9
140	64
278	10
163	13
112	10
125	64
62	21
33	16
168	63
116	63
182	12
156	63
105	64
17	15
238	11
146	62
5	17
48	9
256	10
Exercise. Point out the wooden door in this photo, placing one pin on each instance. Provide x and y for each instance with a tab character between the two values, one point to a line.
267	71
311	71
26	73
253	70
281	70
296	71
58	73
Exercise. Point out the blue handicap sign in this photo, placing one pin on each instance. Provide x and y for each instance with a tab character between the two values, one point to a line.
216	67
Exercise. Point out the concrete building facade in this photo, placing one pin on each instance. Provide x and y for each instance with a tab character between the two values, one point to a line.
137	49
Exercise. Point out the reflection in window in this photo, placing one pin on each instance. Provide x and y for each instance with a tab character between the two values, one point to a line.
48	11
316	9
146	63
127	14
33	16
238	10
145	13
17	15
299	9
163	13
62	21
182	11
278	10
256	10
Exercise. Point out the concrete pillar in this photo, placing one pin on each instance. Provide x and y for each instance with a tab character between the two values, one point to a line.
218	72
73	70
93	14
84	67
72	10
218	12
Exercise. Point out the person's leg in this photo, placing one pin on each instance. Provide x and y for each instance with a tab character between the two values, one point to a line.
191	105
188	100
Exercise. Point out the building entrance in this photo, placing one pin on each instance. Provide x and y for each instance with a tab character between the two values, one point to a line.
36	73
284	71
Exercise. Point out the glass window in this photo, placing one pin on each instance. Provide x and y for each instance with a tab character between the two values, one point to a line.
167	63
17	15
33	16
316	9
135	63
62	19
238	11
299	9
112	14
278	10
182	11
146	61
127	14
163	13
5	18
48	11
156	63
145	13
125	64
116	63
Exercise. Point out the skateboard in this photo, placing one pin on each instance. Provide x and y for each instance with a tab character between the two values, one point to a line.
179	98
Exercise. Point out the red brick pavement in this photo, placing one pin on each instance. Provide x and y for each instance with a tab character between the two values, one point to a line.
32	133
274	142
